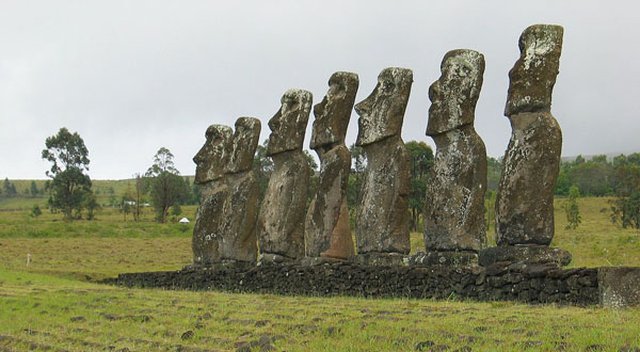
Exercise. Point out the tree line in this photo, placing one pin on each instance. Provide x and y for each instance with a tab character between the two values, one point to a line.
70	188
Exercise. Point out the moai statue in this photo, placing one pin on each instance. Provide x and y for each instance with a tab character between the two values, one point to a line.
238	242
211	161
282	214
327	230
382	220
454	211
524	203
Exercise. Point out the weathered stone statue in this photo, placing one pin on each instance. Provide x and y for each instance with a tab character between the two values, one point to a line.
524	203
282	215
382	220
238	242
454	210
211	161
327	230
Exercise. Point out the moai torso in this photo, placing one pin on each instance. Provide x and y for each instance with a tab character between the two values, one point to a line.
327	230
382	221
454	206
281	217
211	161
238	241
524	203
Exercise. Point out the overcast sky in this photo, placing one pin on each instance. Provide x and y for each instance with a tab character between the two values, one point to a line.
133	76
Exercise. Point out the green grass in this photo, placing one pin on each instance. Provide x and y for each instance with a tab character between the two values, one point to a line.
51	304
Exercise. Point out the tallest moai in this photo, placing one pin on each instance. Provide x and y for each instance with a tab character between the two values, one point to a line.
524	203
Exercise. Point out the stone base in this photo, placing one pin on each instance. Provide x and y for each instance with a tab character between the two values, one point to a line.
619	287
382	259
527	254
271	259
448	258
225	264
311	261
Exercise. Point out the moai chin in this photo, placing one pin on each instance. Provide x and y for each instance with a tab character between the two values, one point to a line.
282	214
382	231
238	242
524	202
454	210
211	161
327	230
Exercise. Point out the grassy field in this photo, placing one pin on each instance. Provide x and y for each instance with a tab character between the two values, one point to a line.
53	304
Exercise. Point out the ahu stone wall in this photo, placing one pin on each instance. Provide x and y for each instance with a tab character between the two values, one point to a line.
499	282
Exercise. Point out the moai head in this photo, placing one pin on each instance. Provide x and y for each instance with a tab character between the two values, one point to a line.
243	144
381	113
214	155
455	94
534	74
290	122
334	111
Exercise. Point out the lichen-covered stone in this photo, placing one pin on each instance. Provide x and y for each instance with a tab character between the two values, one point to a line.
455	94
382	113
382	219
454	207
534	74
280	225
289	124
238	241
226	218
619	287
333	113
327	230
524	202
212	158
244	144
211	161
529	254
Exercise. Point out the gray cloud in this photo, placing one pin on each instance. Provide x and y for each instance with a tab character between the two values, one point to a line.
131	77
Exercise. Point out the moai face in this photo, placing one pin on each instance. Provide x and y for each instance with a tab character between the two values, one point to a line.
534	74
382	113
289	123
455	94
334	111
213	157
244	144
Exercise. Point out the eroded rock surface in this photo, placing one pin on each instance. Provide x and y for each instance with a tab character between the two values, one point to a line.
225	228
282	214
327	230
454	207
382	220
211	161
524	203
238	241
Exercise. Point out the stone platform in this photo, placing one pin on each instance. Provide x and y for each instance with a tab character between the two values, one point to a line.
498	282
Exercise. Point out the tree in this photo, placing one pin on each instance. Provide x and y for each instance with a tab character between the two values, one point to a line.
140	190
421	157
572	210
625	209
262	167
34	189
35	211
358	166
9	189
167	187
70	187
